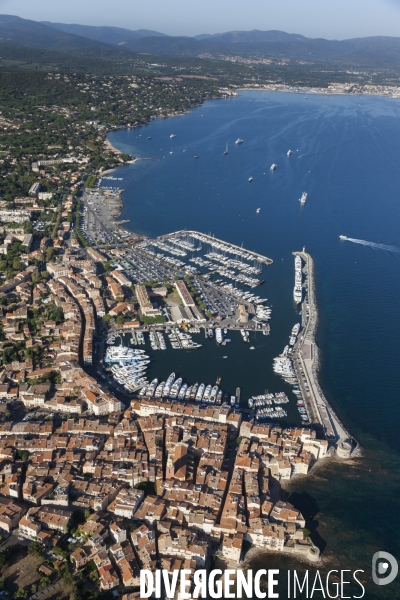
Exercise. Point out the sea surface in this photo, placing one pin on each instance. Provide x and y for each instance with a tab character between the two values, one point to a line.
346	153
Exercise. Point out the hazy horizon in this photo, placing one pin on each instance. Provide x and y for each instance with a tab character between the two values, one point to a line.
331	19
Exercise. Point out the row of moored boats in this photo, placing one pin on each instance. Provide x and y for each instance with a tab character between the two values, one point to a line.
298	280
176	389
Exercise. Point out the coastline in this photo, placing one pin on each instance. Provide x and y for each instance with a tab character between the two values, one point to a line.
329	91
324	415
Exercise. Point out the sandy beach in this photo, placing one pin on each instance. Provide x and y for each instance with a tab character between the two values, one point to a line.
111	147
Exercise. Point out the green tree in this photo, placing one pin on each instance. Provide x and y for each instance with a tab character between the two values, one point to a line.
120	320
44	582
23	455
36	549
17	264
49	254
36	278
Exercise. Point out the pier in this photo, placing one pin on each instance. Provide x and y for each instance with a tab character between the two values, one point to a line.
213	240
306	361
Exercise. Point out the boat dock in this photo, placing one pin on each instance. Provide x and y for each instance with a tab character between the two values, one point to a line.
306	362
213	241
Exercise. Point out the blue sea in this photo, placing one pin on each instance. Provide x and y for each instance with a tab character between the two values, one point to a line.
346	153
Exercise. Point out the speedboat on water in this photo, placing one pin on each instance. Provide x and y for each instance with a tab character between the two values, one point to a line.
303	198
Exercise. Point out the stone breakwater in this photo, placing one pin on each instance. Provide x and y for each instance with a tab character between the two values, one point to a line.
307	359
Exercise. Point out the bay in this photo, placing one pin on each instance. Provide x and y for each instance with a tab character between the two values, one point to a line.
345	151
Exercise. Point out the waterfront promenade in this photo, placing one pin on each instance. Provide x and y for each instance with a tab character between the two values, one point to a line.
306	363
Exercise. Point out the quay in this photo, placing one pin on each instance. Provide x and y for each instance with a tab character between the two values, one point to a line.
212	240
306	364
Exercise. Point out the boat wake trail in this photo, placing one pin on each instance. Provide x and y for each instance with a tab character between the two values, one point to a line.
387	247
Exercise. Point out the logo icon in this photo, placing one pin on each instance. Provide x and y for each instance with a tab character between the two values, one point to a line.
384	568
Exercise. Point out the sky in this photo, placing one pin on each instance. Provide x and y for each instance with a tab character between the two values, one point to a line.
332	19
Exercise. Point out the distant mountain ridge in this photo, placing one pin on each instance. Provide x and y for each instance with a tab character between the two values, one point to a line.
15	31
114	43
105	34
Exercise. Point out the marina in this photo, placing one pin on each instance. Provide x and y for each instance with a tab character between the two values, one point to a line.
352	282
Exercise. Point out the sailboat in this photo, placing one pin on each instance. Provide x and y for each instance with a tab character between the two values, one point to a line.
226	149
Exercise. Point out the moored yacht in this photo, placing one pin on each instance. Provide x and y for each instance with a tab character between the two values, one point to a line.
182	392
159	390
194	391
200	392
175	389
152	388
207	393
213	394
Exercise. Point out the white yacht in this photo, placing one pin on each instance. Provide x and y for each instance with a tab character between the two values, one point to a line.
207	393
175	388
250	179
298	294
273	167
239	141
289	152
343	237
152	388
303	198
182	392
218	335
200	392
168	385
172	135
194	391
213	394
258	211
296	329
159	390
